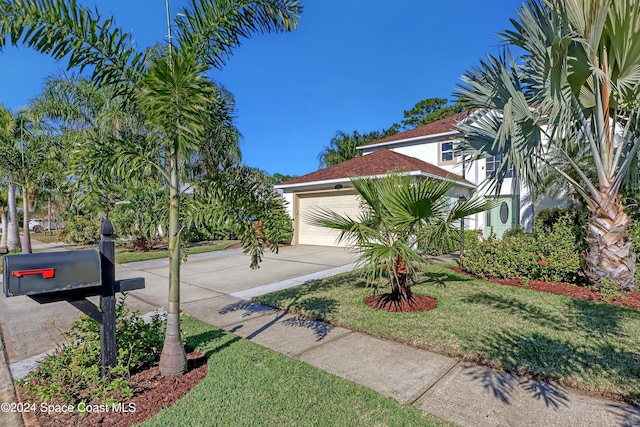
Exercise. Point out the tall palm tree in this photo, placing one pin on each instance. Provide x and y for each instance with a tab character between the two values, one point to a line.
207	30
25	155
573	86
10	162
175	94
397	217
343	147
3	219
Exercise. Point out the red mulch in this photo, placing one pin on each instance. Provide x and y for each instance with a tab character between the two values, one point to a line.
391	302
152	392
626	299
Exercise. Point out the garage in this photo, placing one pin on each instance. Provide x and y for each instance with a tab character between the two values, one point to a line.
343	202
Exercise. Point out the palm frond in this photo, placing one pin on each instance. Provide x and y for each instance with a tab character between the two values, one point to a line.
62	29
211	29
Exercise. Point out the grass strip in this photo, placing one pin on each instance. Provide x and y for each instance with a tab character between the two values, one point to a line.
249	385
583	344
127	255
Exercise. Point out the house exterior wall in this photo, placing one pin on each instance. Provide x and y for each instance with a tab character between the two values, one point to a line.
514	206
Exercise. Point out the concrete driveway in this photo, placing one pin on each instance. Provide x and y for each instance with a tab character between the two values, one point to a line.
29	329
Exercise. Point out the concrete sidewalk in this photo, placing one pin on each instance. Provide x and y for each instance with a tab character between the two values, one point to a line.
467	394
463	393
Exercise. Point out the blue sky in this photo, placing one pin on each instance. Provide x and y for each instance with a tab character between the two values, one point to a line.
350	65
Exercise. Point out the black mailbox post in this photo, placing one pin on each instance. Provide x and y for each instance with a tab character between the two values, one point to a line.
73	276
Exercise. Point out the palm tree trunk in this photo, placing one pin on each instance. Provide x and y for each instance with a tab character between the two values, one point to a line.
173	360
609	257
401	284
5	228
13	232
26	235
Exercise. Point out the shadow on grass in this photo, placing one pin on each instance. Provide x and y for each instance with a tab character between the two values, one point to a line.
602	319
441	278
206	341
546	358
515	306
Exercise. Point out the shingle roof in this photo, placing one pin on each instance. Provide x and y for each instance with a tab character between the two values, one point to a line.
448	124
379	162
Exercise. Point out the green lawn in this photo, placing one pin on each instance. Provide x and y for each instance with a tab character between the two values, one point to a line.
126	255
587	345
249	385
54	237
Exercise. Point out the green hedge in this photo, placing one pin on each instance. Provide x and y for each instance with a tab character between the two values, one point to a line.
81	230
450	244
550	254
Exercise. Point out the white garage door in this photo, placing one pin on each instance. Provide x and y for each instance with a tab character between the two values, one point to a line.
344	202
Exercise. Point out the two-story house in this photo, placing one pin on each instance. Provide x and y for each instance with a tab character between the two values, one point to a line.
426	151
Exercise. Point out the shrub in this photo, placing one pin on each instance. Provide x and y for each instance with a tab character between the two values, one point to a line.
634	235
452	244
81	230
72	373
550	255
547	220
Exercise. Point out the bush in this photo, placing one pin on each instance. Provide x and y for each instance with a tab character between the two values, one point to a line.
72	373
550	255
81	230
451	244
547	220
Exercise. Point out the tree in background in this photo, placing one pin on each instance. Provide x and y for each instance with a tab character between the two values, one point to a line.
277	178
572	88
3	217
426	111
24	155
8	125
207	32
343	145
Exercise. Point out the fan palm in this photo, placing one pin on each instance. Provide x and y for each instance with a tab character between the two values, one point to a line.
573	88
396	218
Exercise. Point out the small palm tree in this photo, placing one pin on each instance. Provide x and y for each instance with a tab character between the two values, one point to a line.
397	218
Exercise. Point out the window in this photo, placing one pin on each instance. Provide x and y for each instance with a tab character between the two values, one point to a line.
446	152
493	164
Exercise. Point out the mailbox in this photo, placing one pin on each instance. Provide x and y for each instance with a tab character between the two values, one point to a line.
30	274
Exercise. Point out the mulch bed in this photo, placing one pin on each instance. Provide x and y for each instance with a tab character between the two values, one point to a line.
390	302
152	392
626	299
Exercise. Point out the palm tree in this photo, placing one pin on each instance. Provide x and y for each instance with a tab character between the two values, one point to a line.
175	95
25	155
398	217
3	220
343	147
207	31
10	161
573	87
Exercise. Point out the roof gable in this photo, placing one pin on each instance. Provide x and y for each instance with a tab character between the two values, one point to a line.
380	162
